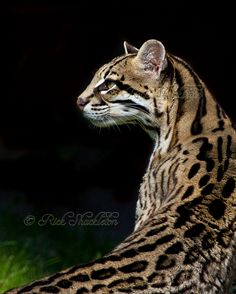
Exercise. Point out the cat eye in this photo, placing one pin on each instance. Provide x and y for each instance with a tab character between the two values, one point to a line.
103	87
106	85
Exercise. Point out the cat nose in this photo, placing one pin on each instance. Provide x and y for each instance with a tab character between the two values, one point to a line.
82	103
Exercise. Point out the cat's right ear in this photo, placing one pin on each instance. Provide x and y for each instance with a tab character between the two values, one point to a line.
151	57
129	48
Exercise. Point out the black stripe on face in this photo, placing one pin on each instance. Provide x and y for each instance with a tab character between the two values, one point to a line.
111	66
131	104
196	127
128	88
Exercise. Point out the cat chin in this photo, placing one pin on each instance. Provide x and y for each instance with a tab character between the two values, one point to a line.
107	122
102	123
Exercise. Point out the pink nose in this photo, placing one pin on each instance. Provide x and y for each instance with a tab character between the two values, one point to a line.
81	103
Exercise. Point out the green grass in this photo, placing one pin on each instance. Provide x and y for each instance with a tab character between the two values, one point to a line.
30	252
17	267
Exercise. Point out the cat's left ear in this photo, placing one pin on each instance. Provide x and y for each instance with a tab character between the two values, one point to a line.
152	57
129	48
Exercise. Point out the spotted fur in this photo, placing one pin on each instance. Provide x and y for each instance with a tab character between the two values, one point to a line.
184	239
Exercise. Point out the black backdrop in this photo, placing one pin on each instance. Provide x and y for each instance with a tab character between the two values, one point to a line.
47	151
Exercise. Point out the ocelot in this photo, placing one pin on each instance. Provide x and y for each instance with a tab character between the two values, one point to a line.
184	239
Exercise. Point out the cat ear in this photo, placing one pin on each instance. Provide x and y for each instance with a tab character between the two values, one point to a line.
129	48
151	57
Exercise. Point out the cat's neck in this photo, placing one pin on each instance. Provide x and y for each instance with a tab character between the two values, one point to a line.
192	99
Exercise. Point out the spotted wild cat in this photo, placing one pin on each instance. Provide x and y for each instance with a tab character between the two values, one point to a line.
184	239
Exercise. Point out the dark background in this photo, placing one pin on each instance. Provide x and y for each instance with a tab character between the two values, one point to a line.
48	153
